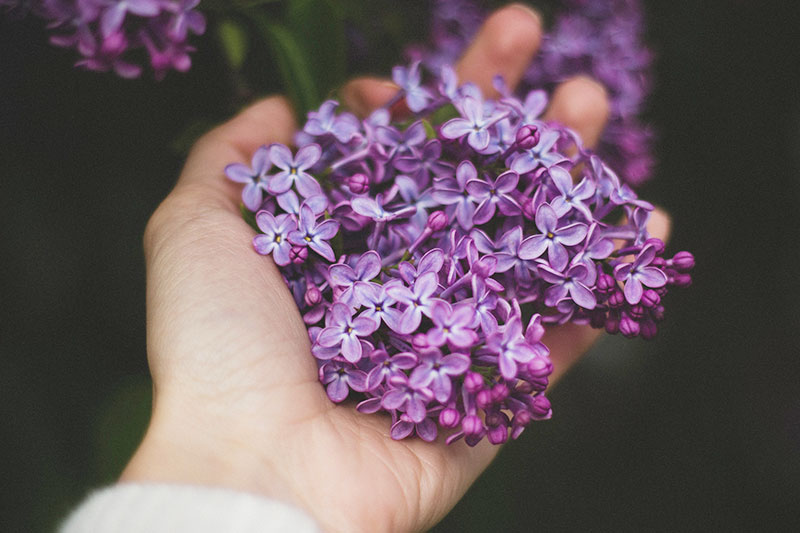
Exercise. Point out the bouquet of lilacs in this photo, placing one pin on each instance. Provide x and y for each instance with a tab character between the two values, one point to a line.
428	256
603	39
109	35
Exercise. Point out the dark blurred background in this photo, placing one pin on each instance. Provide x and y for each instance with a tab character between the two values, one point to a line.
697	430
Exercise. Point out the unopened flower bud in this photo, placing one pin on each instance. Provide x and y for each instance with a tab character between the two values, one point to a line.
628	326
449	417
437	221
358	183
497	434
650	298
606	283
683	261
681	280
298	254
527	136
313	296
420	342
540	407
499	392
540	367
473	382
657	243
637	312
484	399
612	323
648	329
472	425
616	299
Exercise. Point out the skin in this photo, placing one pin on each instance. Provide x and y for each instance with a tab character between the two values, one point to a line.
237	402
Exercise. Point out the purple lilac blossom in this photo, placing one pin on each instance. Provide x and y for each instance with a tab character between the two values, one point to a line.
603	39
110	35
420	256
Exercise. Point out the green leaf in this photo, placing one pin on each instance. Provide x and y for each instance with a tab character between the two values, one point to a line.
249	217
318	27
292	63
443	114
233	38
429	131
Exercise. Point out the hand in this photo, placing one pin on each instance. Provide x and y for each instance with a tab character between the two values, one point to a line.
237	402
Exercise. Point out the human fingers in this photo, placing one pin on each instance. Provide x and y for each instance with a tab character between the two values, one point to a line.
505	46
582	104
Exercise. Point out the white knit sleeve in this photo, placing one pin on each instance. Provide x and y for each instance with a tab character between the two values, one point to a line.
157	508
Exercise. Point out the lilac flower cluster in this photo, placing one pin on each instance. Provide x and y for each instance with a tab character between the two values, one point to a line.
109	34
599	38
428	257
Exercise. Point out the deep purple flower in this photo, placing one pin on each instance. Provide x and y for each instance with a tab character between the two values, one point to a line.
293	169
313	235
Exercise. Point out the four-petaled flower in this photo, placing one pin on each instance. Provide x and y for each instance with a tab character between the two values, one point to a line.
639	273
293	169
254	177
553	239
343	328
275	239
313	235
435	371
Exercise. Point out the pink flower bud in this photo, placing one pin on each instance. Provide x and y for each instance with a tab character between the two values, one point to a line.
650	298
358	183
527	136
473	382
437	221
298	254
628	326
497	434
449	417
683	261
540	407
472	425
313	296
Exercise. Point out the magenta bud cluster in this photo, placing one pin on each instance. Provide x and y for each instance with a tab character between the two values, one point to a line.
111	35
429	256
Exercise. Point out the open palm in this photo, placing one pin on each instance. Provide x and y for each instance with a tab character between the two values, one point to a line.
237	397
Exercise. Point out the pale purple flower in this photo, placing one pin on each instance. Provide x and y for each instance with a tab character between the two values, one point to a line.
400	142
313	235
367	267
325	122
637	274
473	125
417	97
293	169
275	238
405	427
570	196
453	325
345	330
454	194
386	366
418	300
254	177
377	304
435	371
340	377
494	195
553	238
511	347
575	282
408	398
543	153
